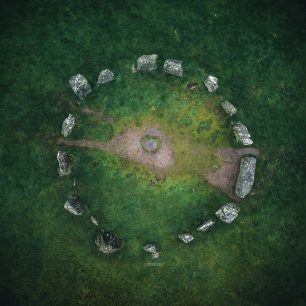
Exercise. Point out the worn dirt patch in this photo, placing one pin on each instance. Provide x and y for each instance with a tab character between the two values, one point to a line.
224	178
127	145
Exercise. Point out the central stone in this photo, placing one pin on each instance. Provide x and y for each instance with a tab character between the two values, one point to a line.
150	143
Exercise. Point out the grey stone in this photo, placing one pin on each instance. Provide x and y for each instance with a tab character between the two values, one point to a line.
68	125
186	238
74	205
228	212
63	163
147	62
108	242
155	255
151	248
80	86
94	220
174	67
206	225
229	108
211	83
246	176
105	76
242	134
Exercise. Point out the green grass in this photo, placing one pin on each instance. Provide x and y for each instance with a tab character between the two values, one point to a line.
257	50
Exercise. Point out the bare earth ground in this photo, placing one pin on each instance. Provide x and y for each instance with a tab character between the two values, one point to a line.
224	178
127	145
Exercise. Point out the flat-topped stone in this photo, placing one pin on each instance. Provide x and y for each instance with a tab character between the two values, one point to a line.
147	62
246	176
211	83
105	76
174	67
64	167
205	226
229	108
242	134
68	125
228	212
80	86
74	205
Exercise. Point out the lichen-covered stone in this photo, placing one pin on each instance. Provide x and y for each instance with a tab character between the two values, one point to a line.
206	225
228	212
242	134
186	238
108	242
147	62
63	163
174	67
74	205
80	86
68	125
105	76
211	83
229	108
246	176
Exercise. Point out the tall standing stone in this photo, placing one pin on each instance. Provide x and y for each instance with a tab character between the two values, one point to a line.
246	176
63	163
211	83
80	86
68	125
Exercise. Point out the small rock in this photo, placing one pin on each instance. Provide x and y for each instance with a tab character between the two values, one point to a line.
206	225
133	69
94	220
174	67
186	238
155	255
74	205
63	163
105	76
229	108
108	242
242	134
246	176
80	86
228	212
211	83
151	248
68	125
147	62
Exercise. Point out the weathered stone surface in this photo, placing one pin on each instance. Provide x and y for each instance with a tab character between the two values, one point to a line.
151	248
211	83
105	76
63	163
68	125
147	62
108	242
94	220
242	134
229	108
186	238
174	67
228	212
206	225
155	255
74	205
246	176
80	86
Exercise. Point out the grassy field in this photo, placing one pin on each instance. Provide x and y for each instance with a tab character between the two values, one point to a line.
257	49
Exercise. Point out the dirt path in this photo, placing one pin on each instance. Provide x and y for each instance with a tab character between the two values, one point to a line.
224	178
127	145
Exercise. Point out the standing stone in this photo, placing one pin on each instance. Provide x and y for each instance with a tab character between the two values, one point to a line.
174	67
108	242
228	212
147	62
105	76
206	225
63	163
68	125
74	205
242	134
211	83
229	108
246	176
186	238
80	86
